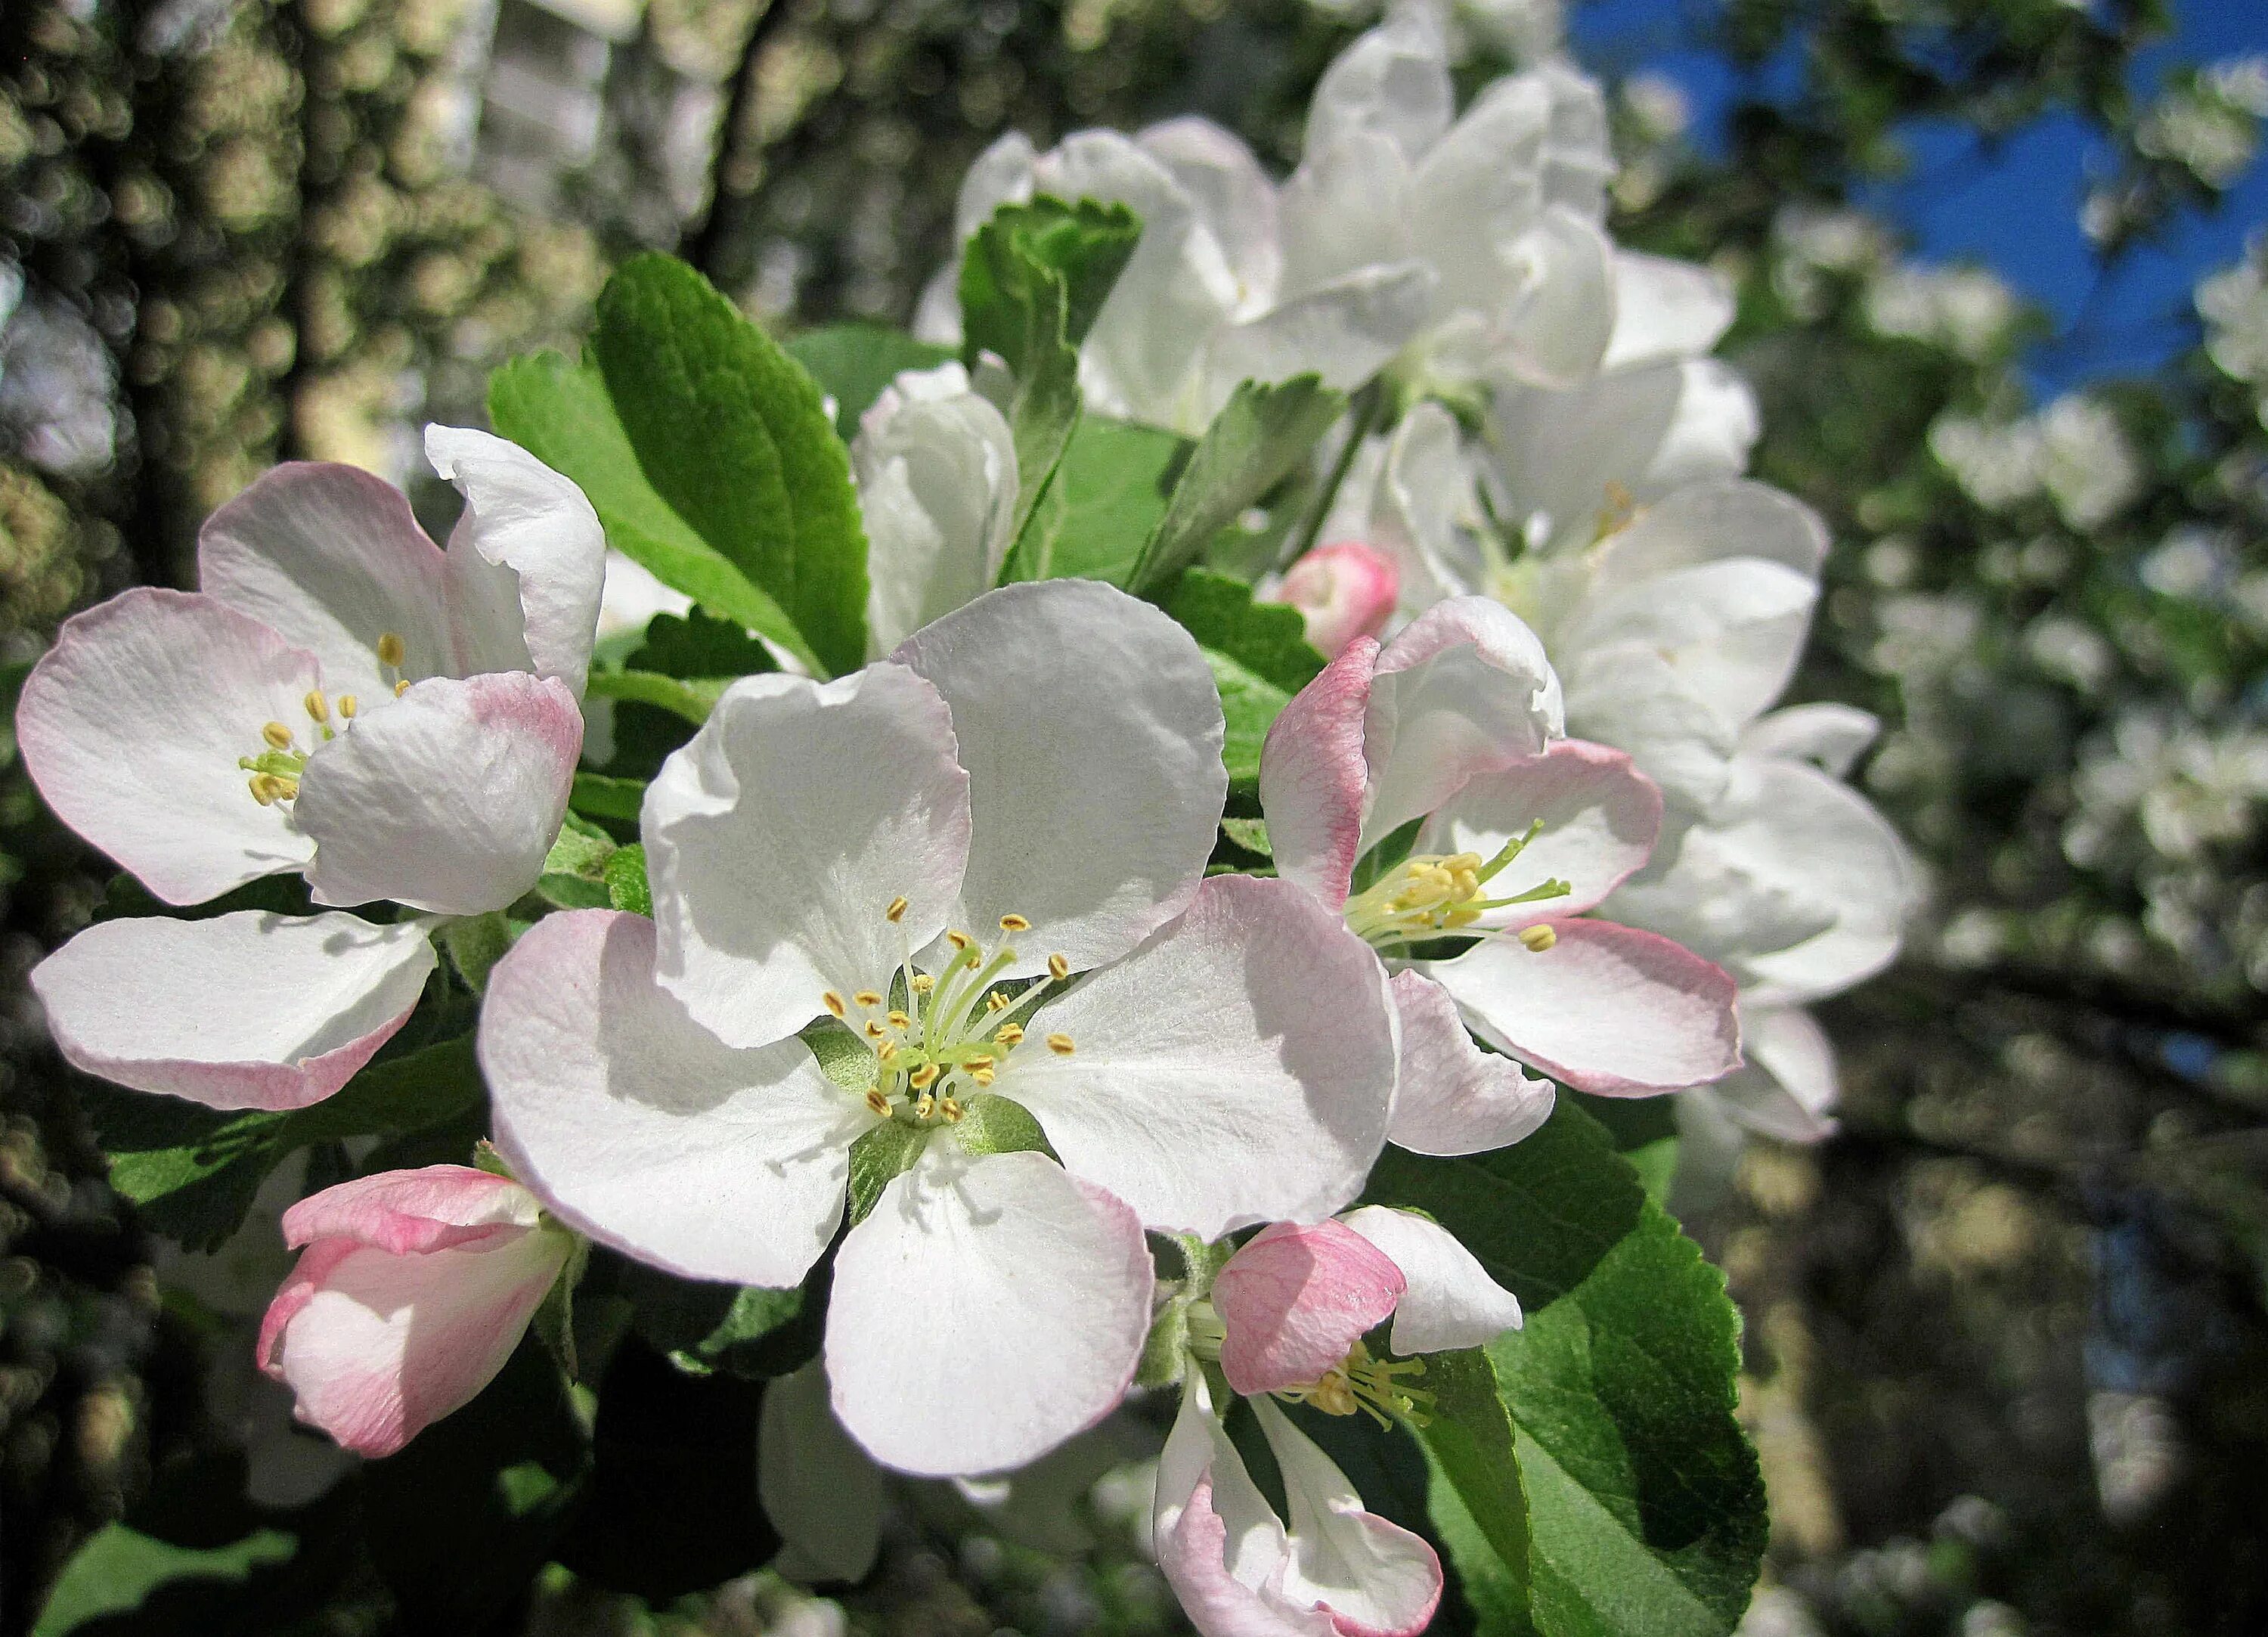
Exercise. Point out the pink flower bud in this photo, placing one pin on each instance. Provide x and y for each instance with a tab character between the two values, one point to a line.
412	1290
1295	1299
1344	590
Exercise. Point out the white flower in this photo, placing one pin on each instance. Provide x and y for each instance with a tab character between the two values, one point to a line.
407	720
1042	766
1476	238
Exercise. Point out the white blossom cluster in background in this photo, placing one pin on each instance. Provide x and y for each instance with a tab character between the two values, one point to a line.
2074	452
2233	305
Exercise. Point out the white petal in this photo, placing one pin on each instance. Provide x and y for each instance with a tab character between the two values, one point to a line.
1556	322
1578	159
132	726
447	798
1606	1009
1712	522
642	1129
1345	210
1732	632
937	487
1452	1097
1788	1086
527	560
1465	688
1478	189
1233	196
1393	81
818	1487
984	1311
1091	728
1219	1546
1236	1068
1666	309
1451	1301
1830	736
779	837
627	601
1629	696
1600	818
333	559
1376	1578
243	1011
1314	782
1344	331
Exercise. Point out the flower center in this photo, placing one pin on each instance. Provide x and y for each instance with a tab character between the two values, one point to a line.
939	1038
1432	893
1358	1382
276	769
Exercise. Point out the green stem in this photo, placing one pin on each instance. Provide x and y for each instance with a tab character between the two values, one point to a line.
1365	414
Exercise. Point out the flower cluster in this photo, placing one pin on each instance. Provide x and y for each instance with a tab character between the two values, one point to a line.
1038	999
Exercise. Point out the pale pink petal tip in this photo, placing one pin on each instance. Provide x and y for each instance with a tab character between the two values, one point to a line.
1344	591
1295	1299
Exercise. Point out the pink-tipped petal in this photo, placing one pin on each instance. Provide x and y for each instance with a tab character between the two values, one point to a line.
1342	591
447	800
1312	779
1452	1097
132	726
1606	1008
376	1347
1295	1299
1452	1301
1375	1578
436	1207
1219	1547
1600	819
242	1011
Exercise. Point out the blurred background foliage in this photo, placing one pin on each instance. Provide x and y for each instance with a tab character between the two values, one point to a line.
2006	1330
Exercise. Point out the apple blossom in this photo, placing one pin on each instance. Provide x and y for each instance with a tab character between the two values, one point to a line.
411	1290
1043	765
1342	591
1452	729
1469	243
344	699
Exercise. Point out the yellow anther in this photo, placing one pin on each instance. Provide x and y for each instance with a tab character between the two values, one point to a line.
874	1031
923	982
867	997
1060	1044
259	783
1015	923
879	1104
886	1052
952	1109
958	941
997	1002
347	705
391	649
318	707
922	1078
899	1020
1058	967
833	1002
926	1107
1009	1034
983	1077
983	1060
1538	938
277	735
897	910
401	688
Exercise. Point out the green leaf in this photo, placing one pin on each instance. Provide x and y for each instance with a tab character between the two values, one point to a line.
1250	834
693	700
883	1154
1644	1131
1250	704
1258	437
997	1125
842	1056
730	432
475	944
1110	493
1028	256
561	413
602	796
853	362
1474	1495
1645	1505
120	1570
626	882
1270	640
574	871
698	644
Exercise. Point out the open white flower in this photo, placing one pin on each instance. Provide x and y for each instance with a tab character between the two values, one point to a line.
342	699
1476	238
1454	728
1042	766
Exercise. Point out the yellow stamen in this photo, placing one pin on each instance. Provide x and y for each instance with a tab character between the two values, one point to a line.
347	705
1058	967
834	1003
958	941
983	1060
983	1077
318	707
259	794
401	688
1538	938
922	1078
391	649
899	1020
1009	1034
1060	1044
1015	923
897	910
923	982
874	1031
997	1002
879	1104
886	1052
926	1107
867	997
277	735
951	1108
